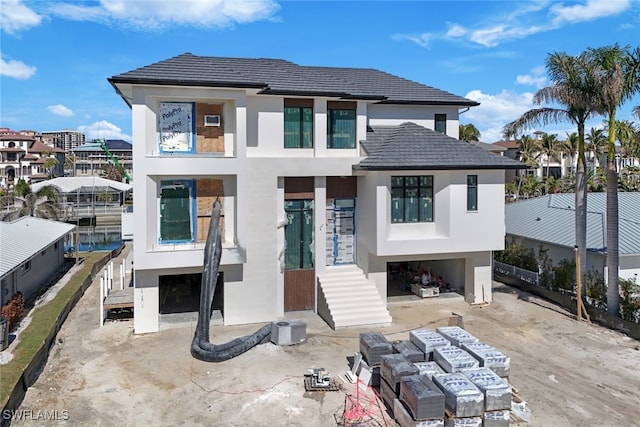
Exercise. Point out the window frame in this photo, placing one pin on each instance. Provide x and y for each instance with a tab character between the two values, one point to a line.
472	193
190	185
331	138
423	189
440	120
189	127
304	137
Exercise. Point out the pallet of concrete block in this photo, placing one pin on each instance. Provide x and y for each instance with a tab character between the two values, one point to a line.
454	359
500	418
427	340
425	291
388	394
497	393
461	397
421	397
395	366
463	422
456	335
404	418
372	346
429	369
489	357
408	350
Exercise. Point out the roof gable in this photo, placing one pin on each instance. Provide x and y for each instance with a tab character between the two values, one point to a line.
410	146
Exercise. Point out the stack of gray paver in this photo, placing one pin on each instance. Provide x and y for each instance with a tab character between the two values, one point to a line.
462	398
428	340
456	335
429	369
489	357
409	350
395	366
373	345
404	418
497	395
463	422
423	399
454	359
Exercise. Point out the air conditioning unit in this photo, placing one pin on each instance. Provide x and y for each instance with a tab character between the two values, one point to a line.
211	120
288	332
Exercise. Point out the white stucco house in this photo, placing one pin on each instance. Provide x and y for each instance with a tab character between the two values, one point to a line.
549	221
326	175
31	254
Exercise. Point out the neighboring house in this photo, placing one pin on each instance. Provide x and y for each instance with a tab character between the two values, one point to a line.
550	221
326	176
87	192
90	158
31	253
24	157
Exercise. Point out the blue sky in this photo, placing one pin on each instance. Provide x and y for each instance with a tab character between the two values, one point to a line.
56	56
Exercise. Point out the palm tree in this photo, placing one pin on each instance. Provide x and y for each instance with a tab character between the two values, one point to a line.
70	163
596	143
528	154
572	88
570	147
617	71
468	133
42	204
628	135
550	148
50	162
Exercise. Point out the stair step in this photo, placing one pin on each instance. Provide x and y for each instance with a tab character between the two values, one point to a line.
339	312
340	323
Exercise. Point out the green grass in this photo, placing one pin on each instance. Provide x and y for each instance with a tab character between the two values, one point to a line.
42	323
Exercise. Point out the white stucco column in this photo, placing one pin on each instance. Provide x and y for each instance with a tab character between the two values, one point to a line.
320	127
320	225
478	278
146	302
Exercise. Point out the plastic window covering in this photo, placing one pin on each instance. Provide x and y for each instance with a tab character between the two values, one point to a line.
341	132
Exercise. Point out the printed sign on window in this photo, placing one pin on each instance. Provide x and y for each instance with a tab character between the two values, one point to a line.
176	126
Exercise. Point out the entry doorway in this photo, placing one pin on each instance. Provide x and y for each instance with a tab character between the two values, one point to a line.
341	231
299	274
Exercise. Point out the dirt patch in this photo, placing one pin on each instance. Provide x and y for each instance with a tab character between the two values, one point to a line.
569	373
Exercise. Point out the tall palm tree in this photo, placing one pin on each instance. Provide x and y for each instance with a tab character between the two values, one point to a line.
596	143
42	204
468	133
569	147
617	71
571	89
550	148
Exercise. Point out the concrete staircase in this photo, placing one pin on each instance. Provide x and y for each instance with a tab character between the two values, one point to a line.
347	298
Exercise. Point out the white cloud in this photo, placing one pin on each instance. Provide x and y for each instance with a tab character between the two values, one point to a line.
16	69
593	9
495	111
60	110
493	36
158	15
535	78
15	16
456	30
419	39
103	130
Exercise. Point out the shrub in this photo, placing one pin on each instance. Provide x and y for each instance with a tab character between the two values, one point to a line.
13	310
565	275
630	301
595	289
518	256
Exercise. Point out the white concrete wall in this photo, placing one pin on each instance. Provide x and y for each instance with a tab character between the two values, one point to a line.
392	115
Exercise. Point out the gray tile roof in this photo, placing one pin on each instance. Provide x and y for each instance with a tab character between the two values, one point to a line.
410	146
551	219
25	237
277	76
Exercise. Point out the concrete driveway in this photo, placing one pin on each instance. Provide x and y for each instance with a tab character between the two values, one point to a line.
570	373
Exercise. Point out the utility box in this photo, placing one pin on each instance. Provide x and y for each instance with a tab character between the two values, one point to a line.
288	332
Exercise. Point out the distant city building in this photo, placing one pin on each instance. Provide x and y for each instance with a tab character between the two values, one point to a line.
91	159
65	139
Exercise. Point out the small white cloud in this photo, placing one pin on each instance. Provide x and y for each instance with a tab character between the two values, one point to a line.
493	36
15	17
103	130
420	39
16	69
496	110
60	110
158	15
593	9
536	78
455	30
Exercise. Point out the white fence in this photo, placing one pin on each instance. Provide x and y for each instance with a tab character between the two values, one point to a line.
526	276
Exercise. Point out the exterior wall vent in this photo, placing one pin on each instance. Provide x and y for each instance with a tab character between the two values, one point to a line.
211	120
